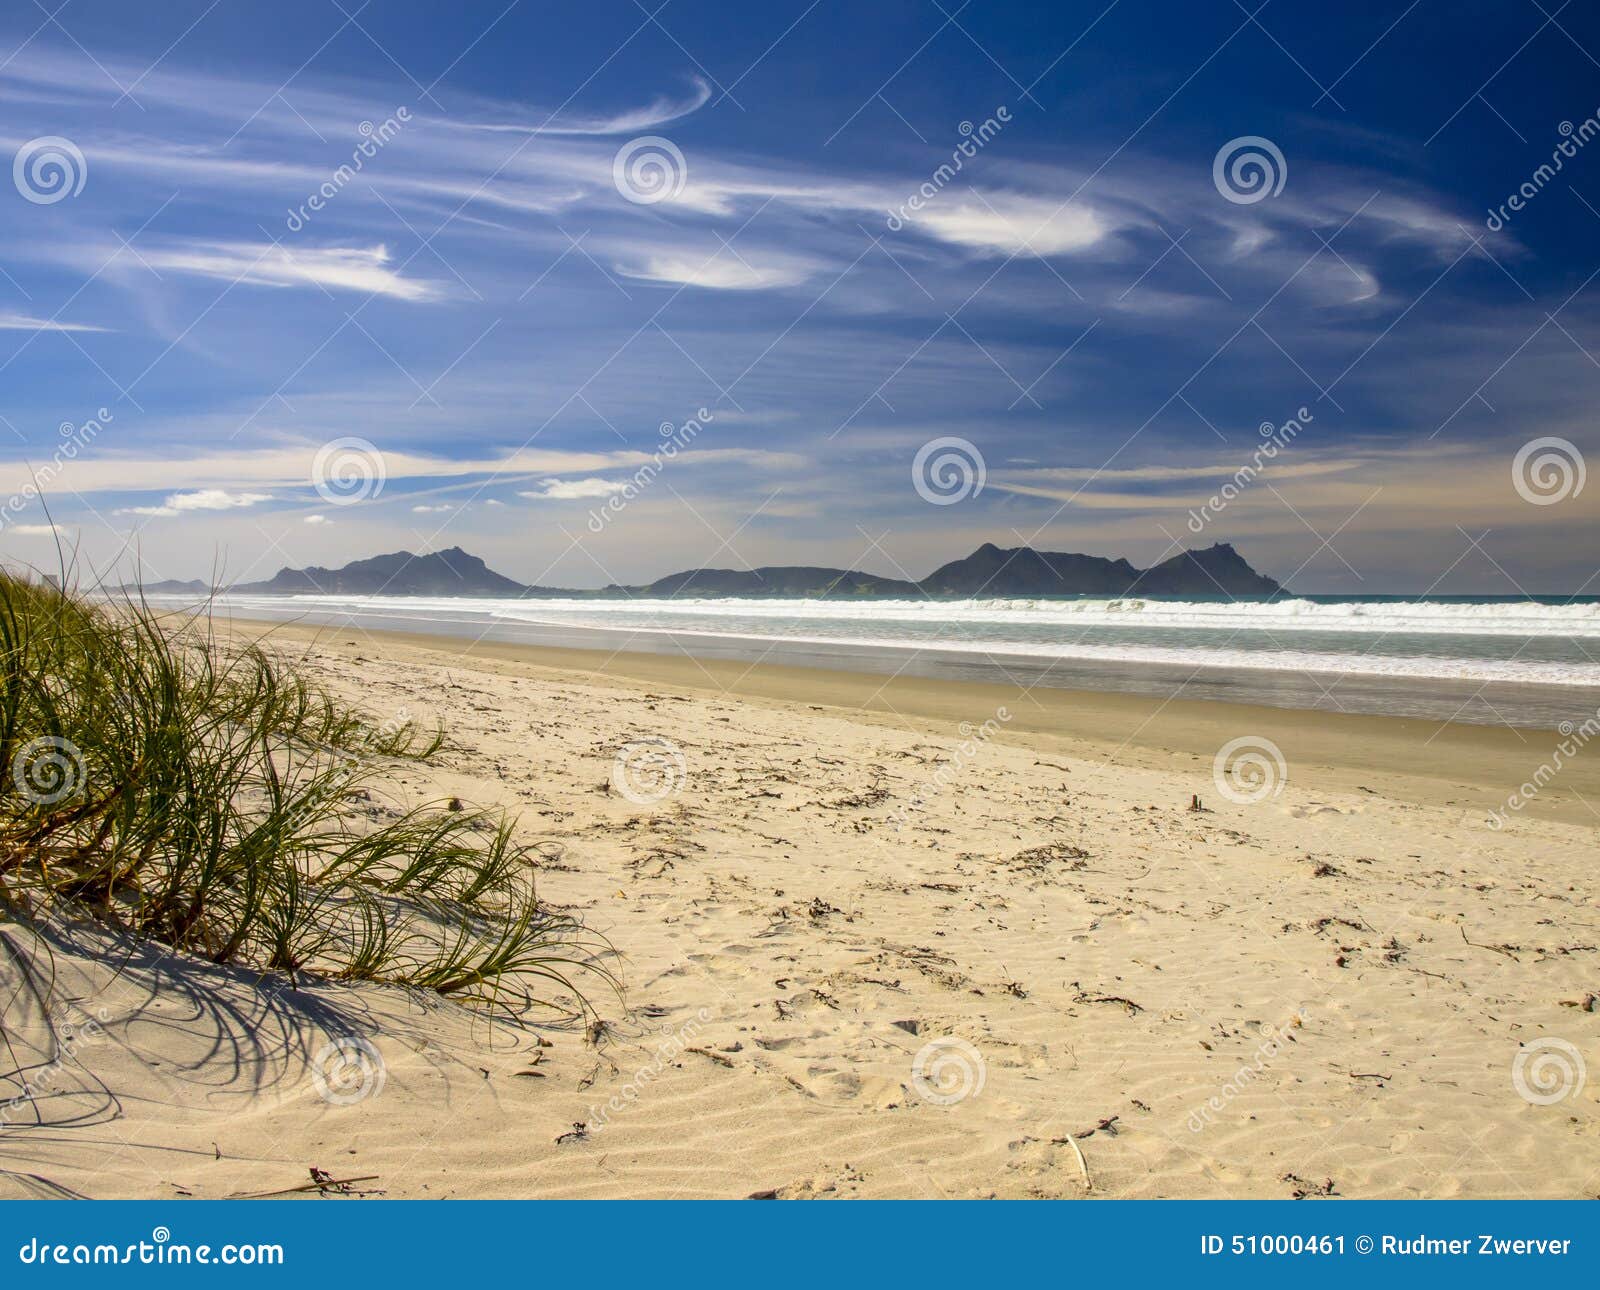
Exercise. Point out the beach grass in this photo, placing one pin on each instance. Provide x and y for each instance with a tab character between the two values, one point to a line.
161	782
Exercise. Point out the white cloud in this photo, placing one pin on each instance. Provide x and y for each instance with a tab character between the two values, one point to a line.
206	499
431	510
343	268
1008	224
21	322
719	272
570	490
316	519
32	530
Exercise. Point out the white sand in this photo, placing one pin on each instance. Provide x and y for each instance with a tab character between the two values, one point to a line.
1329	985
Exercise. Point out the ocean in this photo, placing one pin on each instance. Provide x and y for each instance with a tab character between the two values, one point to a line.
1491	660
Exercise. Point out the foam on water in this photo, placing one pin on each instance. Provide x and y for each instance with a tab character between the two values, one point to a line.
1499	641
1448	618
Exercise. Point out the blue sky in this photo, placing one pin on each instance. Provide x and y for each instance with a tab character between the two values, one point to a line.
490	311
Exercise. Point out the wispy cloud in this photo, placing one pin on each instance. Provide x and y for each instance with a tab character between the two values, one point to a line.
218	474
656	113
21	322
340	268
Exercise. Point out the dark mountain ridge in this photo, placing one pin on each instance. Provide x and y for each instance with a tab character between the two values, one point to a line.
989	571
452	572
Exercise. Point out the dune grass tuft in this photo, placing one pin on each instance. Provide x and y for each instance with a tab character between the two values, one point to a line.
214	800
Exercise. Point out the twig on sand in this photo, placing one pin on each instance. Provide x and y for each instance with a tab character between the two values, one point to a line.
1088	1183
1498	949
321	1181
1083	997
1107	1125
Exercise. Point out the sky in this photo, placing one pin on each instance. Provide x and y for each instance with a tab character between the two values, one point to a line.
601	292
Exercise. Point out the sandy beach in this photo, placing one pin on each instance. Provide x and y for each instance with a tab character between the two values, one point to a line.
895	937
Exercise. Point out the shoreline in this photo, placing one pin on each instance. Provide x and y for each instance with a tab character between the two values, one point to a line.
1526	703
1473	768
